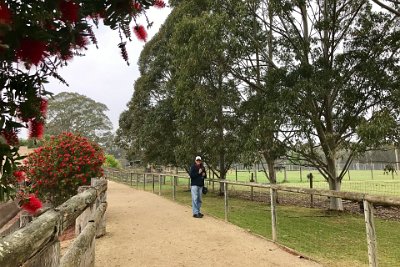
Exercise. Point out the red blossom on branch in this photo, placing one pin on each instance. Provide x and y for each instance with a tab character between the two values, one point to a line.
11	137
32	51
36	128
20	176
140	32
137	6
5	14
159	4
43	106
69	11
32	204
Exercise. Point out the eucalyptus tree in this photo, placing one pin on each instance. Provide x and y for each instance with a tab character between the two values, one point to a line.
262	110
341	63
146	129
73	112
207	95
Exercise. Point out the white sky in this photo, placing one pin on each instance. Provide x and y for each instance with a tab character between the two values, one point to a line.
102	74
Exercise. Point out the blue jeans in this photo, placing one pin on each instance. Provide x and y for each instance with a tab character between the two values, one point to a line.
196	198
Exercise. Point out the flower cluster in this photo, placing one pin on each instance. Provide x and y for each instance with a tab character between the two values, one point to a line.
61	165
37	38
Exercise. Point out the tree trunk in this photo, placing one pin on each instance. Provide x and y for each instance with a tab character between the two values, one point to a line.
334	184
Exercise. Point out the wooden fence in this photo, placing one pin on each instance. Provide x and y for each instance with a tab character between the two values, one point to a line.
368	200
37	243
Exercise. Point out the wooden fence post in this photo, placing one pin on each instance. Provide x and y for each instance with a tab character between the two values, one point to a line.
159	184
252	193
226	201
152	177
137	181
173	187
131	174
144	181
273	213
371	234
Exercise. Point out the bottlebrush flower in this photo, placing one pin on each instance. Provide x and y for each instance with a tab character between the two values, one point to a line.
43	106
5	14
140	32
10	137
20	176
31	51
137	6
159	4
36	129
69	11
32	204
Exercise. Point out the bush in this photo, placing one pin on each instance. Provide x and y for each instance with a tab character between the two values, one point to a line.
61	165
112	162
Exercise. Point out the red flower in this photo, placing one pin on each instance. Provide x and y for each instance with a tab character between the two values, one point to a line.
36	129
31	51
32	205
43	106
20	175
159	4
10	137
140	32
81	41
137	6
69	11
5	14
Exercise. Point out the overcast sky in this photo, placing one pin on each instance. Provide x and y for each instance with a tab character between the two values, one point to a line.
102	74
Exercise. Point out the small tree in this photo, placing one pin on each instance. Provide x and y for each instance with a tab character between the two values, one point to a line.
61	165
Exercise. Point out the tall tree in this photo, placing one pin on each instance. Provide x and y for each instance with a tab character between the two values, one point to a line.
76	113
341	60
207	96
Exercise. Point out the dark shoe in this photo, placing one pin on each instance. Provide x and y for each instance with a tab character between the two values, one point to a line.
201	215
197	216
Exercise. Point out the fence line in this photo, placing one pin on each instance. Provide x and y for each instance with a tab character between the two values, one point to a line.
368	201
37	243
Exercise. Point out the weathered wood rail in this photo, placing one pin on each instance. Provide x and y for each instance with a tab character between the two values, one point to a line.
368	200
37	244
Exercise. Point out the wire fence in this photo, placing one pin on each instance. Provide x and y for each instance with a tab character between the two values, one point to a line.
330	237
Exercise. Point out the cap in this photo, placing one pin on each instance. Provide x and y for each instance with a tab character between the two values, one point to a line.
198	158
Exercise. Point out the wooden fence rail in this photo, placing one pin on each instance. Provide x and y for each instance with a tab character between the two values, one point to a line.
37	243
367	199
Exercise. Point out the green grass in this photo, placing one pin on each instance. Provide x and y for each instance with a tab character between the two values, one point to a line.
331	238
360	181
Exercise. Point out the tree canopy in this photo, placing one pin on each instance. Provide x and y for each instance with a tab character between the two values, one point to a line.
313	81
72	112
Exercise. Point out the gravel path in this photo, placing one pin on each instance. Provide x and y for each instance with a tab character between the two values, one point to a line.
144	229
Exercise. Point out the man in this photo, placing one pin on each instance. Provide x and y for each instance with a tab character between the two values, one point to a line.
197	176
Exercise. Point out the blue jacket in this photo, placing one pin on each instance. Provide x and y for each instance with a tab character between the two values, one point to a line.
197	178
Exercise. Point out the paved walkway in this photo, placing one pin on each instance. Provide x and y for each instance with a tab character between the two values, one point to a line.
144	229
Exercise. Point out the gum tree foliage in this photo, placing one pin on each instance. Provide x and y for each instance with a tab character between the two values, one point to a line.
341	64
38	37
76	113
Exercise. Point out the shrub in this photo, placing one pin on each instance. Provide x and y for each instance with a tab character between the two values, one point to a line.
61	165
112	162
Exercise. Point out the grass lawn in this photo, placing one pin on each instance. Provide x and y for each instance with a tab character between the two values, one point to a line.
359	181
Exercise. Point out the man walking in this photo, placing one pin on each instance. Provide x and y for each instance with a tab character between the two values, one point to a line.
197	176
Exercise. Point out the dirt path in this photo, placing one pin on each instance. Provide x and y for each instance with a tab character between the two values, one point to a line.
144	229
